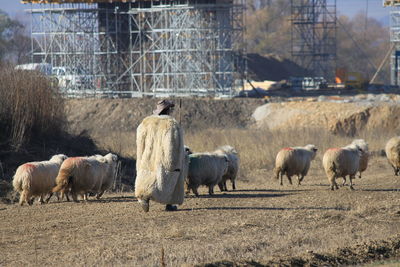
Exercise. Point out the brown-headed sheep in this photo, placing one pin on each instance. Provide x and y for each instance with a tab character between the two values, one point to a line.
233	166
205	169
294	161
37	178
340	162
392	150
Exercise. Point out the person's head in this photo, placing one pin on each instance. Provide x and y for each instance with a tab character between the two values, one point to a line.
164	107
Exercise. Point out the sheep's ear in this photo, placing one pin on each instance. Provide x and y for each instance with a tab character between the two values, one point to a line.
114	157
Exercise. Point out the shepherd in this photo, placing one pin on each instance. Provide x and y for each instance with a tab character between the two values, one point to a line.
160	159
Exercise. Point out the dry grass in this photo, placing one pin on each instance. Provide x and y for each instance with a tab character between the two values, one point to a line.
257	148
30	107
259	222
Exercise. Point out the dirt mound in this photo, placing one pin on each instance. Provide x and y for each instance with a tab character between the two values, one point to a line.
359	254
272	68
339	118
101	116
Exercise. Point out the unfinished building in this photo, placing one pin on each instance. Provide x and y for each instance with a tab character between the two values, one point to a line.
143	47
313	36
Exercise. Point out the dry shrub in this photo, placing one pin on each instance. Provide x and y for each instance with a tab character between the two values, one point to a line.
30	107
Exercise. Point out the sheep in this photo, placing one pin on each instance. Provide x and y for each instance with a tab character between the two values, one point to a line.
233	166
340	162
37	179
108	178
364	155
205	169
392	150
84	175
294	161
160	163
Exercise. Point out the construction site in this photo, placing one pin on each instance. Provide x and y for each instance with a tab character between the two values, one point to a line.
122	48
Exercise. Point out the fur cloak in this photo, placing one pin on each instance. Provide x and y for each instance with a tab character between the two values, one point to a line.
160	160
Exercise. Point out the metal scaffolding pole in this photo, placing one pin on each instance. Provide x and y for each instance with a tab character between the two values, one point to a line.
313	36
178	47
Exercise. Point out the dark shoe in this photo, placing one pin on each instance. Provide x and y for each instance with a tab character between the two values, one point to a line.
170	207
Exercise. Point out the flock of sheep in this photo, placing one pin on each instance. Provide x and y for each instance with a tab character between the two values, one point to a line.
92	175
337	162
75	176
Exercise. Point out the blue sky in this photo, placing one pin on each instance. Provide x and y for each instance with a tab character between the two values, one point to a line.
345	7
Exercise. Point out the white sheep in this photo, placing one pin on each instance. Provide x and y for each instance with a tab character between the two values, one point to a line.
294	161
109	177
205	169
160	163
364	155
392	150
84	175
233	166
37	178
340	162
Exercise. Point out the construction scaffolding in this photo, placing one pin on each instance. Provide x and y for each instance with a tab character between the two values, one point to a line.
157	48
313	36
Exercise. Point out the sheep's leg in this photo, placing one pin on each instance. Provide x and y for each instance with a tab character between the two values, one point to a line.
50	195
281	176
74	197
194	189
300	178
221	186
41	201
290	179
344	181
100	194
187	189
85	196
396	170
233	184
359	176
29	198
211	190
23	198
351	182
332	180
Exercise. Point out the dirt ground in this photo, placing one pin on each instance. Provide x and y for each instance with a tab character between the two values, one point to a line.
260	223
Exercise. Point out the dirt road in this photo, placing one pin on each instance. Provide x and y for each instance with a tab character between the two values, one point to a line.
259	222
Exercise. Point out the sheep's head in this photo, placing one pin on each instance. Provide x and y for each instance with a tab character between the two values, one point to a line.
226	165
313	149
58	158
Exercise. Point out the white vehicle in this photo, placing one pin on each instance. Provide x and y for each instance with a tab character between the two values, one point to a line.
44	68
71	78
